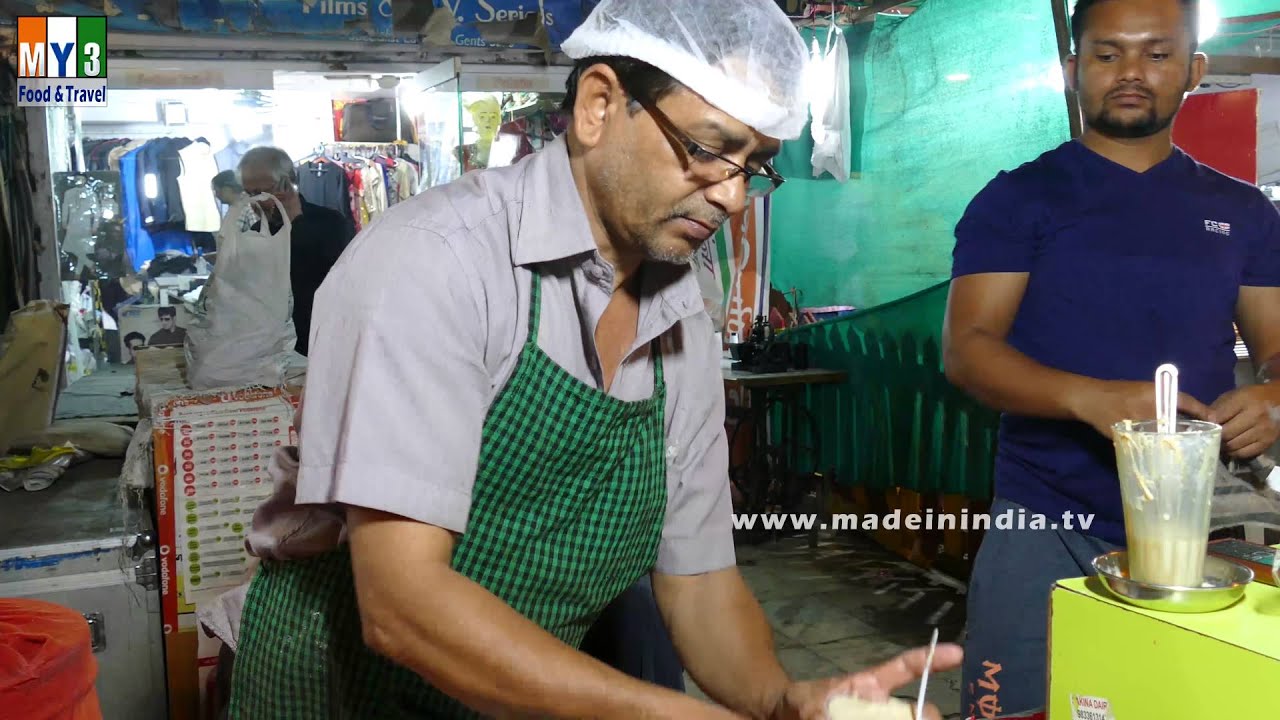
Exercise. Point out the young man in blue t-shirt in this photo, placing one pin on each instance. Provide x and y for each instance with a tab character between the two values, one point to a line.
1075	277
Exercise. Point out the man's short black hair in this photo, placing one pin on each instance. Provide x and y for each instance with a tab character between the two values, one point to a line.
1190	13
637	76
226	179
135	336
167	311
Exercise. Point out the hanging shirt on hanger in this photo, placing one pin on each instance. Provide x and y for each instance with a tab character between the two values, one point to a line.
143	246
159	199
113	157
406	180
832	125
356	184
194	187
325	183
388	178
375	191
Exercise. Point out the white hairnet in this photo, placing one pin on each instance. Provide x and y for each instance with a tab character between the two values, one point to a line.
743	56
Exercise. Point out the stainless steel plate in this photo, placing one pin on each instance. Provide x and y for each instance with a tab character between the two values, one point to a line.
1224	584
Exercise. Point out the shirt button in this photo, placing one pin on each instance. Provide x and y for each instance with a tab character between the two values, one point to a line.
672	452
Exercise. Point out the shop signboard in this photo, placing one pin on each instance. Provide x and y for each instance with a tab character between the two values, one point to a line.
369	20
514	24
520	24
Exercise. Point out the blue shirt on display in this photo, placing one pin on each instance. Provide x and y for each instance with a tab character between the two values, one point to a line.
143	246
1127	271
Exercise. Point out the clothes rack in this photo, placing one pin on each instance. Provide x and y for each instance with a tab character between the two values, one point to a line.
166	196
358	179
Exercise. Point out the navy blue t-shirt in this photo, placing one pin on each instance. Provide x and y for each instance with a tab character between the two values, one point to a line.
1127	271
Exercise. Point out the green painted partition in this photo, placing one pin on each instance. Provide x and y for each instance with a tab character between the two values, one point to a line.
942	101
896	421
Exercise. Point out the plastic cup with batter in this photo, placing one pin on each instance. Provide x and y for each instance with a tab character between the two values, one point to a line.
1166	483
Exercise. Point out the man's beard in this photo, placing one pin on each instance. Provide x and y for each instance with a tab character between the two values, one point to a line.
663	255
1151	123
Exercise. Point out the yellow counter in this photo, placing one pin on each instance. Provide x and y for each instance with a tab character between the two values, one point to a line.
1112	661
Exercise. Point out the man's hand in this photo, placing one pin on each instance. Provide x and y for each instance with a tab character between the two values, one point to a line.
292	203
1102	404
808	700
1250	419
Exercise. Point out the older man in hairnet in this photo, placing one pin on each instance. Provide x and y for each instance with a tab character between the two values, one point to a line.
492	485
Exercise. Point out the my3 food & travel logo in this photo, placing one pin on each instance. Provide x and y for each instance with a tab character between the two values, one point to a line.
62	61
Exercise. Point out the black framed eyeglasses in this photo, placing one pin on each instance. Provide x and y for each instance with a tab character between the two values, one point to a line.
711	166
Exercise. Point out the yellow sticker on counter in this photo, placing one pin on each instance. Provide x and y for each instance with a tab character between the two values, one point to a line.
1084	707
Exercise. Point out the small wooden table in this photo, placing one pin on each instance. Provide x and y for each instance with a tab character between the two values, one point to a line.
783	388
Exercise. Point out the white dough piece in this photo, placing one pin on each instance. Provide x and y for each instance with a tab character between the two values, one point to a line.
848	707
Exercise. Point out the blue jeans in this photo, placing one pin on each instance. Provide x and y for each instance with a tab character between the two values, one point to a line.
631	636
1006	645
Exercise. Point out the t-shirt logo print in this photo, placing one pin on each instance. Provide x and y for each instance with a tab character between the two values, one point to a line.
1221	228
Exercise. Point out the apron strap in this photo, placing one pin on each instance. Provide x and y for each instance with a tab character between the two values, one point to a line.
655	349
535	308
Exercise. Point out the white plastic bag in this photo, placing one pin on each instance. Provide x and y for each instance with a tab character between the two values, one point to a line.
829	103
243	333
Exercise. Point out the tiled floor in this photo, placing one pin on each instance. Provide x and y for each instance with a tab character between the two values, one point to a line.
849	604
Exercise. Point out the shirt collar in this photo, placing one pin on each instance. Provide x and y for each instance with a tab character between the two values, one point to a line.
553	222
553	226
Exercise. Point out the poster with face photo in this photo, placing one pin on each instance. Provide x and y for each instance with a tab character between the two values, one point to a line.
151	326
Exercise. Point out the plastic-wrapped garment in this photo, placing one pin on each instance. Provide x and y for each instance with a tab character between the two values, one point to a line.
47	667
829	105
195	189
81	212
244	333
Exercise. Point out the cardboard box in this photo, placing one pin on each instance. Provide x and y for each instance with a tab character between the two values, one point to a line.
1109	660
182	668
191	657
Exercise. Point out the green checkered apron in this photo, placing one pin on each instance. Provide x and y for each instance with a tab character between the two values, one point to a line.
566	513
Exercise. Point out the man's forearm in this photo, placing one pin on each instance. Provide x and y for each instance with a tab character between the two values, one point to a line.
472	646
724	640
1006	380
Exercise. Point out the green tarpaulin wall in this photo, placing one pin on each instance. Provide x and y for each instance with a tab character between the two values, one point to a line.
942	101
